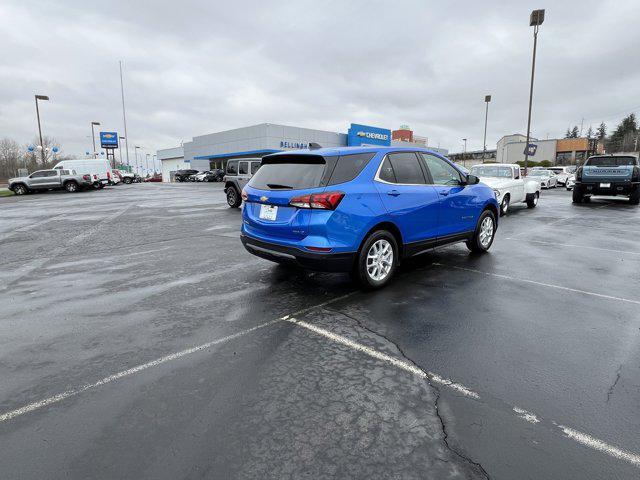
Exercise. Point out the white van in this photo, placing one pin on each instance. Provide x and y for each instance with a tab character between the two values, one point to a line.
98	168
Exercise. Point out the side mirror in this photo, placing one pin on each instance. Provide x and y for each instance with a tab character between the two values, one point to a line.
472	179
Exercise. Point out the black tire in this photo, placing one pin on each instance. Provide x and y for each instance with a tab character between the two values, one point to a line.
532	199
479	243
362	271
20	189
71	187
504	205
233	197
127	180
577	195
634	198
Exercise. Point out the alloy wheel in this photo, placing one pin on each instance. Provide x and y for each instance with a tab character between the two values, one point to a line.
379	260
486	232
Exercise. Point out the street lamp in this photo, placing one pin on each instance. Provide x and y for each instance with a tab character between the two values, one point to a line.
93	137
465	147
535	20
120	148
135	151
40	97
487	99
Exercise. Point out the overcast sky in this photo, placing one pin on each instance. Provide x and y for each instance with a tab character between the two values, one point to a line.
195	67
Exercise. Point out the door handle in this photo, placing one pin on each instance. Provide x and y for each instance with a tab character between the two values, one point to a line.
393	193
444	193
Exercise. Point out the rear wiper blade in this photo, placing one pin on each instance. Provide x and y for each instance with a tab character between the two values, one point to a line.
278	186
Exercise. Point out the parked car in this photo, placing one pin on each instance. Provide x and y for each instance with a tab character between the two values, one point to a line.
98	168
215	175
546	178
608	175
127	177
156	177
562	173
55	179
571	181
116	177
183	175
508	185
239	172
363	210
199	177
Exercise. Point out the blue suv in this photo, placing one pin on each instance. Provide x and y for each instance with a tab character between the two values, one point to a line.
363	209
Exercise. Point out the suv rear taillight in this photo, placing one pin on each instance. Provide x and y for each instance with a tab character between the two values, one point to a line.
86	177
320	201
108	175
244	196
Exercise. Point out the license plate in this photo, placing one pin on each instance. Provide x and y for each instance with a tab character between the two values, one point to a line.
268	212
605	185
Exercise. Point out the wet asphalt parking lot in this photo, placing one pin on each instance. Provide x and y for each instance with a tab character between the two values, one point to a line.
140	340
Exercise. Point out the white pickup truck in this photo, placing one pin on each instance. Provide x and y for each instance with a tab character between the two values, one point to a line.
508	185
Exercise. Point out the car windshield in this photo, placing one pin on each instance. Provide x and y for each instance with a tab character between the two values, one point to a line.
610	161
492	171
539	173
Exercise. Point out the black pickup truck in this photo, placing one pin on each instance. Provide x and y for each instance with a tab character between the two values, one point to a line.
608	175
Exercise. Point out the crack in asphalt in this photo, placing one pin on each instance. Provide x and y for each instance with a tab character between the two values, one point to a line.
615	382
445	434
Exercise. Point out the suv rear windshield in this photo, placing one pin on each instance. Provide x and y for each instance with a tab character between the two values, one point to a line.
297	172
611	161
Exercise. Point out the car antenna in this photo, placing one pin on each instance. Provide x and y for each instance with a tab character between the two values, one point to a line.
314	146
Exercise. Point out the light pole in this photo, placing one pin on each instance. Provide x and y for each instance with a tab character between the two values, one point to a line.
121	138
487	99
135	150
465	147
535	20
40	97
93	137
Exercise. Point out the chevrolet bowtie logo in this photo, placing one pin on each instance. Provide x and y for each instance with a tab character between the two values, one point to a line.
264	199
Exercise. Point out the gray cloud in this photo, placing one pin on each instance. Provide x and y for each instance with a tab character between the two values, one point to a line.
197	67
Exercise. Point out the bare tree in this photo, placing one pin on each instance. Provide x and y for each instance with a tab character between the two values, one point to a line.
10	156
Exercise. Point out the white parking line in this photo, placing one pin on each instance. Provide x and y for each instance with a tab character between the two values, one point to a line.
433	377
154	363
542	284
569	245
582	438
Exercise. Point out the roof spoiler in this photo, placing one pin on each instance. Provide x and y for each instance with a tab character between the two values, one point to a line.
314	146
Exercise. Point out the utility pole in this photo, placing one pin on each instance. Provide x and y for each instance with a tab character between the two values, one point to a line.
487	99
535	20
124	115
93	137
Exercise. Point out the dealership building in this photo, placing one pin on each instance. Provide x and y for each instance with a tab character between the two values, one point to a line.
206	152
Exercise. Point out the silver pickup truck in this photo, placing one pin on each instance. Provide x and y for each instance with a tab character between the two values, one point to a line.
50	180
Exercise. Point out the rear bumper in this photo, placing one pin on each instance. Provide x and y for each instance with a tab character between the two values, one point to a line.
323	262
616	188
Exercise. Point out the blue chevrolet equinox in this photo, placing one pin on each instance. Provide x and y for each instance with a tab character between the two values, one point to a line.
363	209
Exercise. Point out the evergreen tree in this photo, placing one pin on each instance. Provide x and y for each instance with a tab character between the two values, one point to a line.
568	133
602	131
590	132
575	132
623	137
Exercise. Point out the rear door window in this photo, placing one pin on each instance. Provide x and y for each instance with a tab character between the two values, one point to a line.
243	168
386	172
407	168
349	167
289	172
254	167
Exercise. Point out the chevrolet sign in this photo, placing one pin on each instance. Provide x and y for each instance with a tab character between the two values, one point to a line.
376	136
